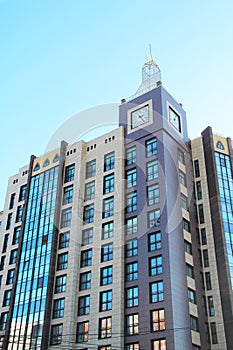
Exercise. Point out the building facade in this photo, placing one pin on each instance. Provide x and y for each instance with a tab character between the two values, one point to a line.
123	242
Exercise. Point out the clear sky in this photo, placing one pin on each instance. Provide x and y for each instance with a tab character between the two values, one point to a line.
60	57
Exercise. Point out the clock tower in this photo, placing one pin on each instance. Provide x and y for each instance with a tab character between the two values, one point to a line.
155	137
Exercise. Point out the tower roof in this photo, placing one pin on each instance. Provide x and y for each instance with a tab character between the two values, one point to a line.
151	77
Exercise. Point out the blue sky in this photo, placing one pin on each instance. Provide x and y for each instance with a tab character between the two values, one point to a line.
61	57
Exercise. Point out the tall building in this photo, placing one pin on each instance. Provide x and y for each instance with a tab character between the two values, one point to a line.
122	242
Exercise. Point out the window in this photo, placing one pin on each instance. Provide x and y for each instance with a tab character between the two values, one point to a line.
107	252
89	191
213	333
132	324
9	219
90	168
66	217
153	194
182	178
106	275
154	241
184	201
194	323
56	158
152	170
12	201
208	281
88	214
220	145
108	207
106	300
155	265
131	248
188	247
3	321
203	236
56	334
181	156
131	271
186	225
131	178
19	214
206	258
108	184
13	256
64	240
37	167
201	214
154	218
22	193
46	162
207	334
189	271
16	235
62	261
191	296
199	190
159	344
107	230
60	285
84	305
196	168
156	292
131	202
68	195
7	298
2	264
131	155
107	347
132	225
87	236
211	306
109	161
86	258
69	173
5	243
82	332
204	306
132	297
58	308
105	327
157	320
132	346
151	147
85	280
10	276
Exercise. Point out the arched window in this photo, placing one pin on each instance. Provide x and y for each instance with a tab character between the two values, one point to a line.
36	167
220	145
46	162
56	158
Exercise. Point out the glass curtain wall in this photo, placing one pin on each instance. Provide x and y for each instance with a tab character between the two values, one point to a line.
32	282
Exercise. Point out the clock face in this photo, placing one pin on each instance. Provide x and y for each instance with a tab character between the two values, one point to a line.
174	119
140	116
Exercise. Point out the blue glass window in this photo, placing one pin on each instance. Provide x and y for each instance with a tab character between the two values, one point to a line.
69	173
108	183
88	214
109	161
108	207
131	202
151	147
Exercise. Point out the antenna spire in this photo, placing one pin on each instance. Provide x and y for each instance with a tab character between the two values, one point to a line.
150	48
